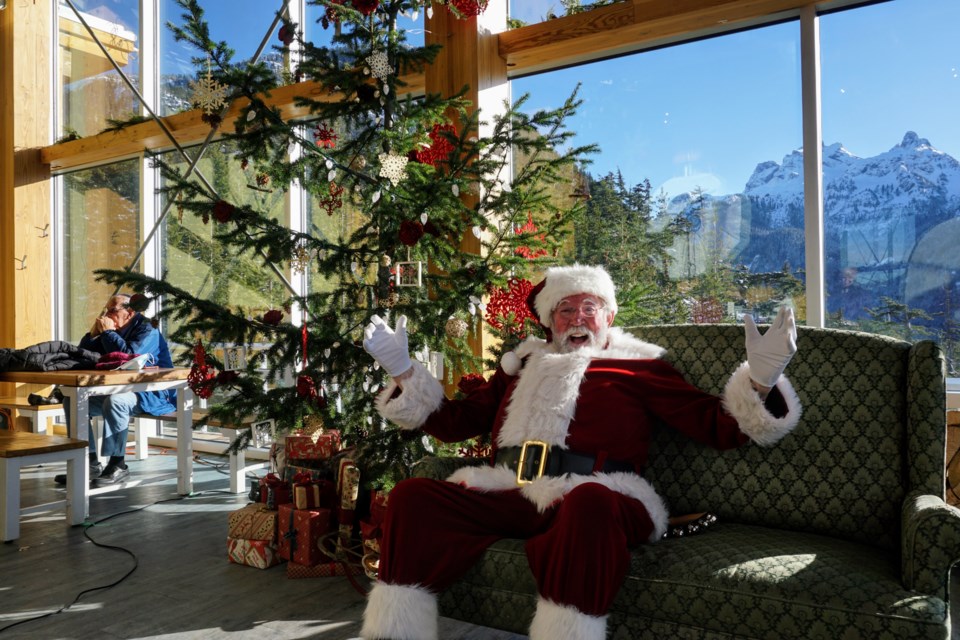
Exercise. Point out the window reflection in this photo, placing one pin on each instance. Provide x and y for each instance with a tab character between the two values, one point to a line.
101	218
92	92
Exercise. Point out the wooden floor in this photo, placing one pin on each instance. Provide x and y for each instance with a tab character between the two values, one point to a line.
150	564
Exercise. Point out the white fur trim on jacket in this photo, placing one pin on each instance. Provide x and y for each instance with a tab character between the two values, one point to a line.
554	621
422	395
743	403
563	282
544	492
400	612
545	397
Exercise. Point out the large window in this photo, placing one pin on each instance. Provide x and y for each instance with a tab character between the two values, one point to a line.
891	176
194	261
101	222
715	128
92	92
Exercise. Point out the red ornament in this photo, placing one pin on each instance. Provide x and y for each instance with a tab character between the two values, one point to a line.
223	211
201	377
410	232
273	317
333	200
440	147
262	179
476	450
306	388
469	382
470	7
507	309
325	136
285	35
527	252
366	7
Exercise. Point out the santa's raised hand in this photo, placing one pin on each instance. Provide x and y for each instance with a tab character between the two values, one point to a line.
769	354
388	346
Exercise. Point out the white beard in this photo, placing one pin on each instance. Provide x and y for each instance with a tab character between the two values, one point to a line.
597	339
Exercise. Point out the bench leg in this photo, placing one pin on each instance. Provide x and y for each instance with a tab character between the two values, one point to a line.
77	481
238	478
10	498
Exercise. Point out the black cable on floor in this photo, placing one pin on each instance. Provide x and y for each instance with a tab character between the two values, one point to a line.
136	563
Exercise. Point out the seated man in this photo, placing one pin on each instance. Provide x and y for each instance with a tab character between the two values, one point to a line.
570	422
120	328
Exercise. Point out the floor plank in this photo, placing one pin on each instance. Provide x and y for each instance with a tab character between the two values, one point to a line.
182	586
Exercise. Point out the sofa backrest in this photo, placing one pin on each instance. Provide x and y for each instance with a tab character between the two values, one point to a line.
872	430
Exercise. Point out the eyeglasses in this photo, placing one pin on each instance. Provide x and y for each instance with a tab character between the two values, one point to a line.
587	310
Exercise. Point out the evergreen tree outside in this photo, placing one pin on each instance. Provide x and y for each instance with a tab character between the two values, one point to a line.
414	178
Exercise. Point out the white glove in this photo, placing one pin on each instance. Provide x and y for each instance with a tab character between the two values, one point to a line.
769	354
388	347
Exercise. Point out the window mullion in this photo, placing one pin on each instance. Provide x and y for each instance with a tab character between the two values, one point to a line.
812	164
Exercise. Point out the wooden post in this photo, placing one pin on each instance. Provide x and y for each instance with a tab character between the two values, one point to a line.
26	237
470	58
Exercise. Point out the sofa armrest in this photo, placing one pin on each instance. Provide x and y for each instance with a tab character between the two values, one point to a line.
441	467
930	543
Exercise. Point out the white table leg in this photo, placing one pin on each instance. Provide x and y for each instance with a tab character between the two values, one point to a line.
184	440
238	478
77	408
10	498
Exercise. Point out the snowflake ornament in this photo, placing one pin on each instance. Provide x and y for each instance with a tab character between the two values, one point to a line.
208	94
379	64
393	167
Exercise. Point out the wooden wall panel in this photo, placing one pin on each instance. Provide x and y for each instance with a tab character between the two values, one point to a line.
25	295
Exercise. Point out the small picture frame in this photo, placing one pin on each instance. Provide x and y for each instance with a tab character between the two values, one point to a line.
262	433
234	358
409	274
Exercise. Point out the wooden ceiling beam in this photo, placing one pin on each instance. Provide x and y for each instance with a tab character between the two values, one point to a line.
188	127
631	25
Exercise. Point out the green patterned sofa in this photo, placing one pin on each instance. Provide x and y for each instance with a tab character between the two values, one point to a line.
838	532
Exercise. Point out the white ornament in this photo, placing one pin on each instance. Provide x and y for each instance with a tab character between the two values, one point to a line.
456	190
430	11
376	197
477	231
386	89
393	167
251	115
414	16
423	218
331	175
208	94
379	63
329	163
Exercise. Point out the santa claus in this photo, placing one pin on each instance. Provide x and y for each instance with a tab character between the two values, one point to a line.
570	419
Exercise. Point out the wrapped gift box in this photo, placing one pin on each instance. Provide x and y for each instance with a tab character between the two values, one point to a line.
298	533
253	522
261	554
318	446
348	488
274	491
312	493
322	570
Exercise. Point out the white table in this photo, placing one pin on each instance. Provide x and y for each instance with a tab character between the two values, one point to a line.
79	386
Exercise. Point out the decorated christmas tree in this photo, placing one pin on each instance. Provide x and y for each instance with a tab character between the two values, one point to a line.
416	177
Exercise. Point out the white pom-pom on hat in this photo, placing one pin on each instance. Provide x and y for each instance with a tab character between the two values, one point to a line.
563	282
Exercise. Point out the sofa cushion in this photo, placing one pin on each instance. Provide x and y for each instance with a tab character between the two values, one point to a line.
734	580
840	472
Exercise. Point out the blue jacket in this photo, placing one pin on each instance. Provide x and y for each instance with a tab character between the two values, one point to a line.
139	336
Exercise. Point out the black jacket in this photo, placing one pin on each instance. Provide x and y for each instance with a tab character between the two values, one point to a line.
55	355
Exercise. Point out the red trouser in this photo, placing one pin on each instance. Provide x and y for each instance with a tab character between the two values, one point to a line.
578	549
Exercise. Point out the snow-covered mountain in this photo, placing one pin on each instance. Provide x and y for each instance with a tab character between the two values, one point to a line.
893	219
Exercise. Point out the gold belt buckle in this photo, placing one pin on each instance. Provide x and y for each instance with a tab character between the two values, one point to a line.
522	478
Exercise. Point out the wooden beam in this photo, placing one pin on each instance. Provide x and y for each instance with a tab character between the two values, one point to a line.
629	26
187	126
26	243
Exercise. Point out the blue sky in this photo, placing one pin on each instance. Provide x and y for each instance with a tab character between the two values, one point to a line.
707	113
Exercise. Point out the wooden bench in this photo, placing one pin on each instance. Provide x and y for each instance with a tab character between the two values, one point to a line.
37	415
237	461
18	449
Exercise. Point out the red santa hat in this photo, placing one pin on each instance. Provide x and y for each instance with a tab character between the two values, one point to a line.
563	282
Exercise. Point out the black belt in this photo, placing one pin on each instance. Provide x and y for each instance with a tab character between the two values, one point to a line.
536	458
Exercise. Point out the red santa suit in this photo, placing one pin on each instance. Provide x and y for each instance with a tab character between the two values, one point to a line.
601	403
